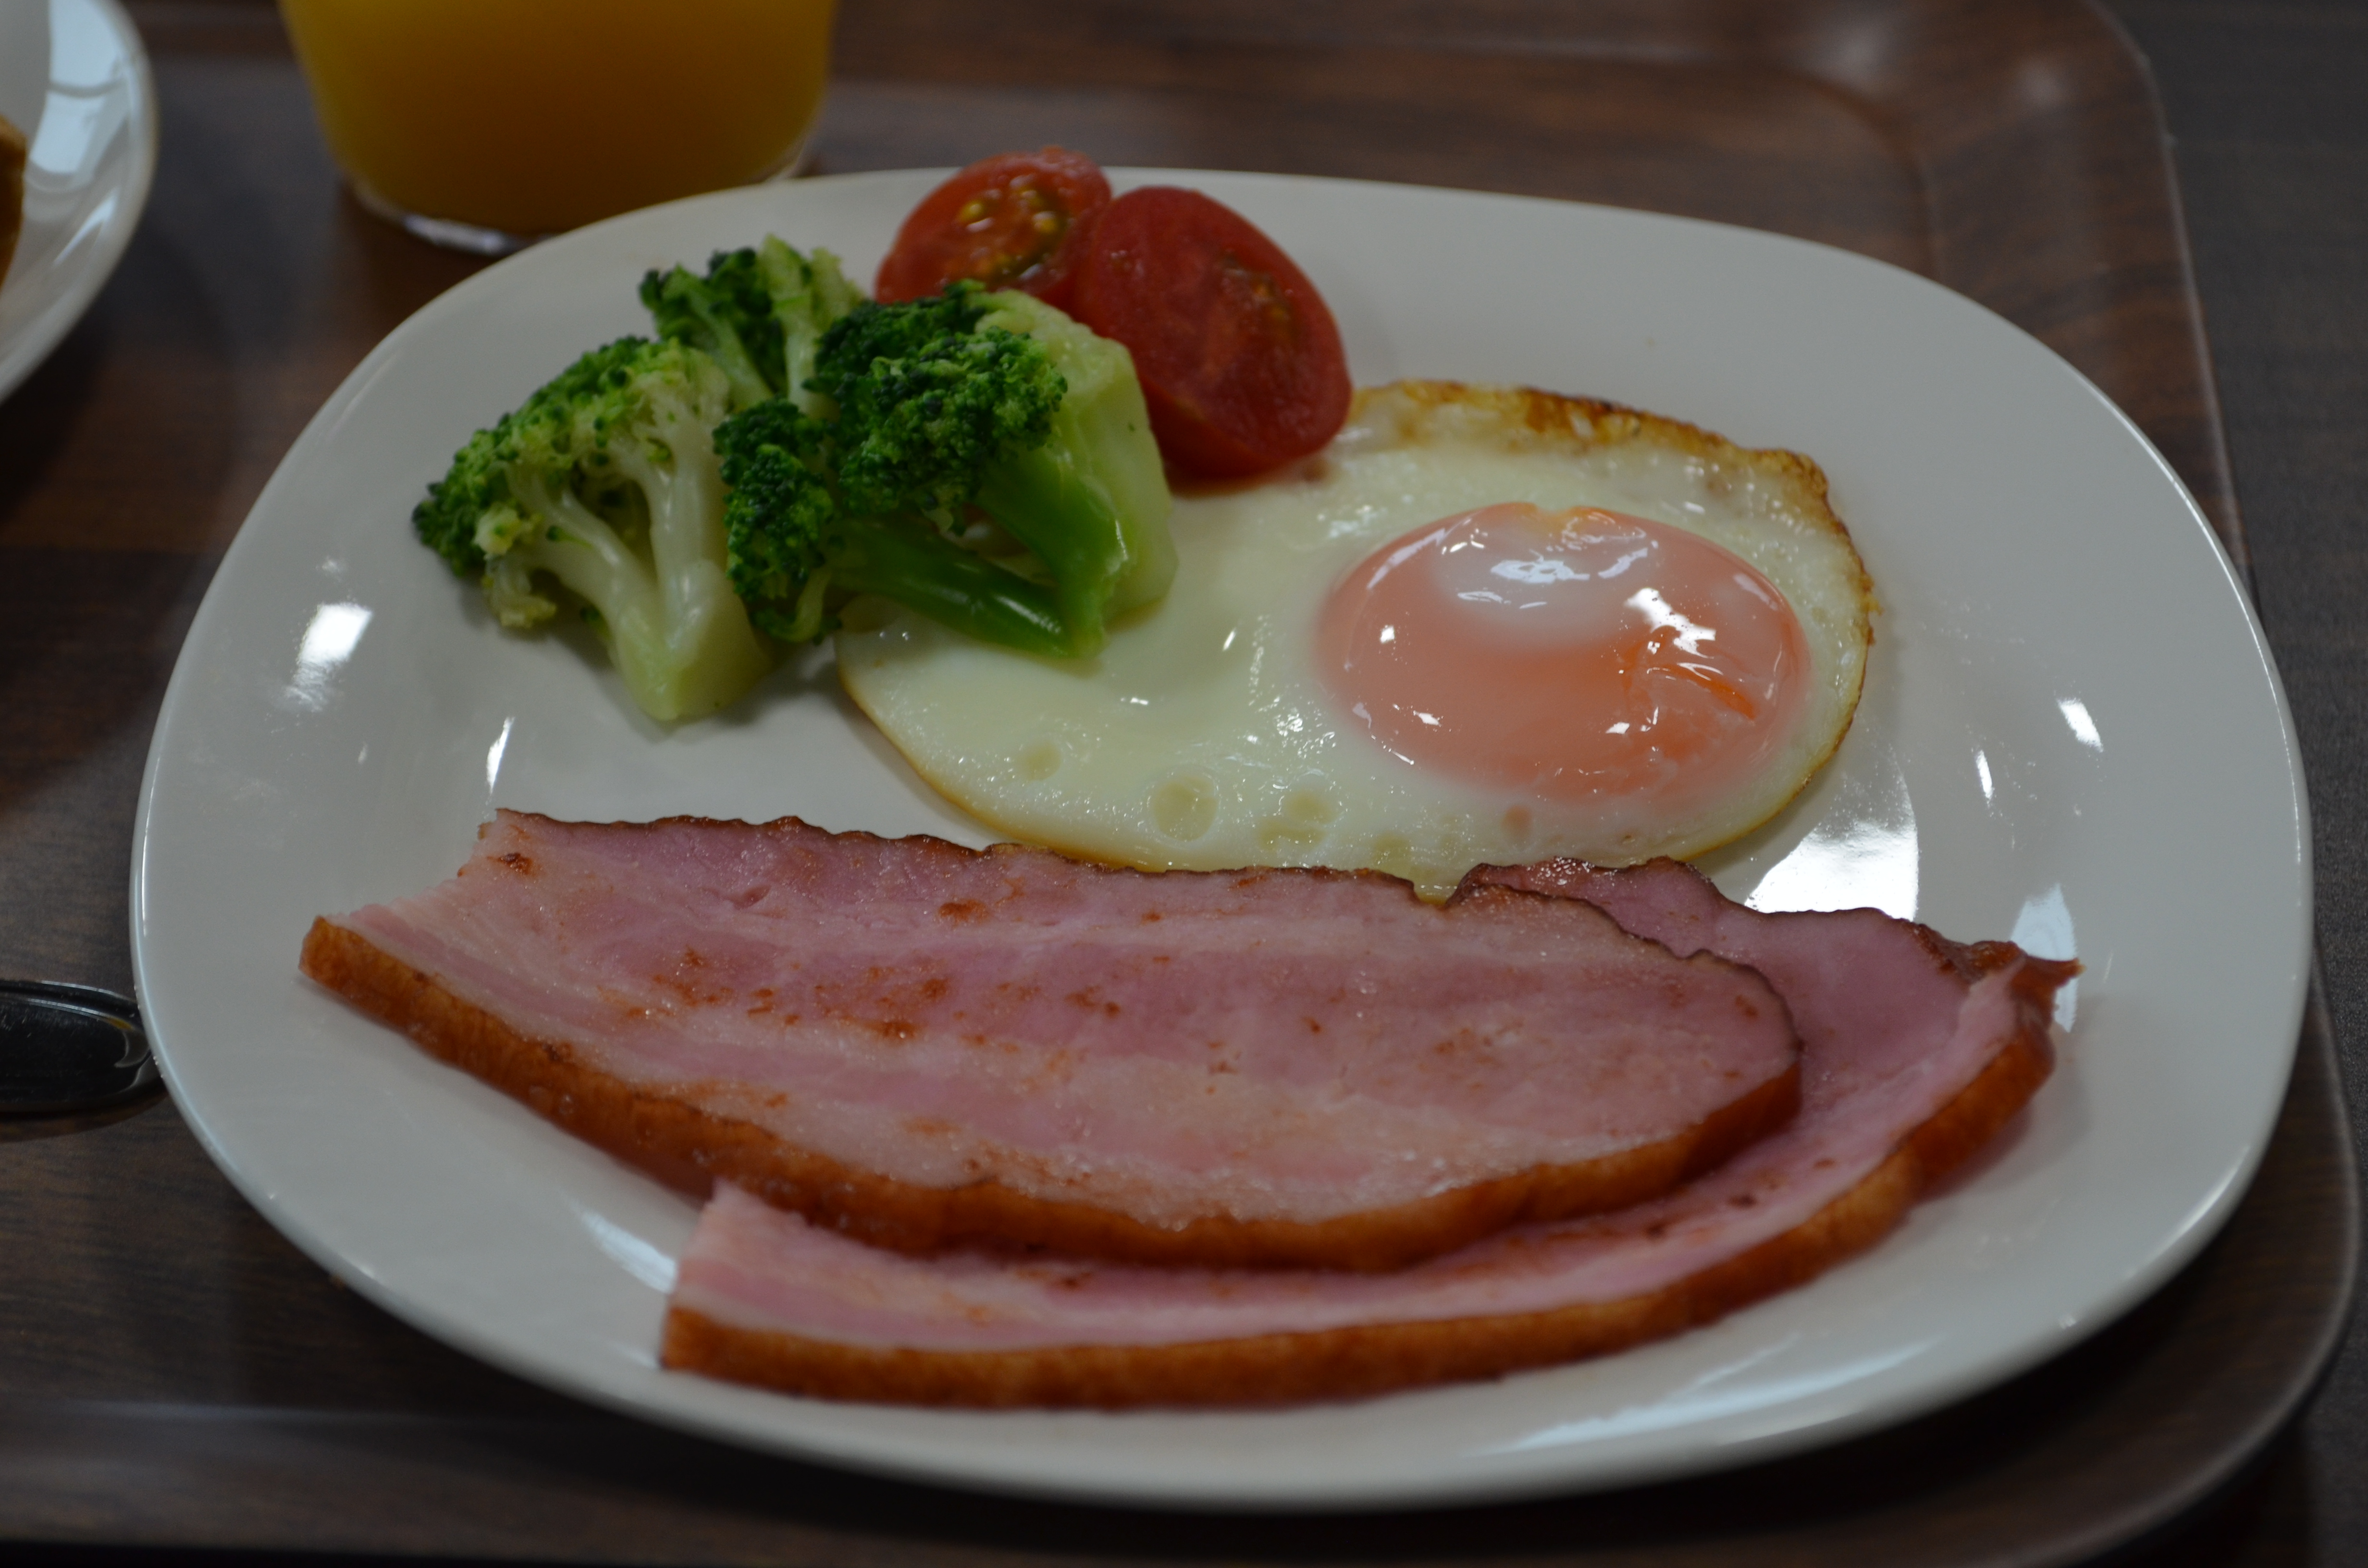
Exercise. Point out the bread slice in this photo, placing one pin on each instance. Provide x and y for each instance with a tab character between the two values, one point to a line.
12	190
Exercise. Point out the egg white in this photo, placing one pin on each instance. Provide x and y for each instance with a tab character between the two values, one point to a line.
1202	737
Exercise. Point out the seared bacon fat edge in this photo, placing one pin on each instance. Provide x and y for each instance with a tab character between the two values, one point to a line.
1917	1051
924	1046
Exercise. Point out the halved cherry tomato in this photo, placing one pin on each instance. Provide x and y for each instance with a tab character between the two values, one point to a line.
1016	220
1239	357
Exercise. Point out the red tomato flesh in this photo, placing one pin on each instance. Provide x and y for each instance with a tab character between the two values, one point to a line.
1239	359
1016	220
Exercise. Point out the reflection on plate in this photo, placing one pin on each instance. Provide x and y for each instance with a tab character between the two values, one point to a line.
2071	734
75	80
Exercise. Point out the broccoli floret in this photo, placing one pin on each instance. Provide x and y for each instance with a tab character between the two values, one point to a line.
728	314
607	479
1099	472
780	519
927	402
1001	402
793	545
809	294
872	332
759	313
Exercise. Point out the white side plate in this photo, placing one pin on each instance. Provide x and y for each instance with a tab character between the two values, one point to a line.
75	80
2072	736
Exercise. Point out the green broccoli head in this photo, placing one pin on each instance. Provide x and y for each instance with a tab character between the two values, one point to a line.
729	313
471	490
927	400
795	548
759	313
1001	402
471	511
872	332
606	480
782	522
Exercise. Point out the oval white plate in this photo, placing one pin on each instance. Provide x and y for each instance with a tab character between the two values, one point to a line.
2072	735
75	80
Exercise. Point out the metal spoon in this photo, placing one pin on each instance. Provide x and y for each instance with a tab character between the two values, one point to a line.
70	1048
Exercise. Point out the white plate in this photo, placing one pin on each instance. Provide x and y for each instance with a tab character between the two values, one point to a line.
75	80
2072	735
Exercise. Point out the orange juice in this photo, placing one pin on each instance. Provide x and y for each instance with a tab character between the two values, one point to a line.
527	117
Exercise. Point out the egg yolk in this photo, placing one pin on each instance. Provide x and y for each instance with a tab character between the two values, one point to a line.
1567	656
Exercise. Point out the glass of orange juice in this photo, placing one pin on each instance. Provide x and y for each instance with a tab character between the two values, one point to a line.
485	124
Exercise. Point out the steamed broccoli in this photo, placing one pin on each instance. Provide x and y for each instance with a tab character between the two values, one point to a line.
760	312
1091	501
788	445
927	402
794	545
997	401
607	479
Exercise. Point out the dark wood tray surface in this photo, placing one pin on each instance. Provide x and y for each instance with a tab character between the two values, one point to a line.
174	1374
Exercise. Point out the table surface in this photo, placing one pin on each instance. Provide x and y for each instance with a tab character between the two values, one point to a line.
2270	122
146	437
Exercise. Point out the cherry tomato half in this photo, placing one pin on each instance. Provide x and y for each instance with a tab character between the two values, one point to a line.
1016	220
1239	357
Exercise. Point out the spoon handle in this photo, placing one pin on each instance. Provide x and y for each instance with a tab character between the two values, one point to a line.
70	1048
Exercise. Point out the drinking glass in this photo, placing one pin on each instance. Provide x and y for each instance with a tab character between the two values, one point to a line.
485	124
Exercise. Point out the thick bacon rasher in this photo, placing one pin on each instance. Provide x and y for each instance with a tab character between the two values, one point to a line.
1917	1050
923	1046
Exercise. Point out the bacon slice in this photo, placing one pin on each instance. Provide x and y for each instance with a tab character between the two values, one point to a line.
922	1045
1917	1051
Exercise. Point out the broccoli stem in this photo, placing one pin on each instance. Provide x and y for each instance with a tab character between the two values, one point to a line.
1043	500
1113	487
686	503
929	574
702	645
577	546
678	635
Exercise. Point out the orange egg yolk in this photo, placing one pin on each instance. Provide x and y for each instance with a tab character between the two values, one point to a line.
1567	656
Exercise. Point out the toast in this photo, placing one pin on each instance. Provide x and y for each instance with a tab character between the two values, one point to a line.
12	190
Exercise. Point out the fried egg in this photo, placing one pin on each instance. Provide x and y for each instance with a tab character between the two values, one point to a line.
1483	626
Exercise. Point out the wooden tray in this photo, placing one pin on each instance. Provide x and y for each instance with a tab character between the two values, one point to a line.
172	1373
